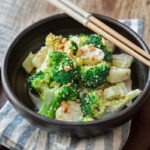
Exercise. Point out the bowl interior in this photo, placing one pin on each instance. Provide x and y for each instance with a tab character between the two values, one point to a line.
34	37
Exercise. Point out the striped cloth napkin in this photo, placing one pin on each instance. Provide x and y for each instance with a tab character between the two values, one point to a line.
18	134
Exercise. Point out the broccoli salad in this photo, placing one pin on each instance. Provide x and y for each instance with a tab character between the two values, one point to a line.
78	78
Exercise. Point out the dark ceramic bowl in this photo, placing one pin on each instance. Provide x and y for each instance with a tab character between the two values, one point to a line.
31	39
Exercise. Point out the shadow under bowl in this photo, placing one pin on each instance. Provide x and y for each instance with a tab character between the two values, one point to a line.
31	39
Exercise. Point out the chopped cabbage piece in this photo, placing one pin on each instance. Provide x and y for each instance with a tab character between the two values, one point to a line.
118	74
39	57
122	60
115	92
118	105
27	64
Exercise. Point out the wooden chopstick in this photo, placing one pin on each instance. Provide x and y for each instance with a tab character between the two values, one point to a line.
118	36
99	27
96	29
105	27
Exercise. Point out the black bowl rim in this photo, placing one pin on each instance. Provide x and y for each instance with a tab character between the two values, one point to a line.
14	100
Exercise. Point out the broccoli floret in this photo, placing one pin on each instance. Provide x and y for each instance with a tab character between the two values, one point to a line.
55	58
80	39
94	76
108	55
83	38
74	47
38	82
91	104
65	71
70	47
96	40
65	92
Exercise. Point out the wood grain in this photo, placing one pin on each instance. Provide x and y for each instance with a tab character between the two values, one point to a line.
121	9
113	8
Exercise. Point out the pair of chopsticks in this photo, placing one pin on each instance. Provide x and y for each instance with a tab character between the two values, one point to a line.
99	27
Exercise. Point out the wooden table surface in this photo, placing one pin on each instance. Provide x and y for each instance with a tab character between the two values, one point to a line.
118	9
139	138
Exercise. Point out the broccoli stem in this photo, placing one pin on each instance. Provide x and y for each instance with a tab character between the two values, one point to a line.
63	93
44	109
117	105
47	98
54	105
